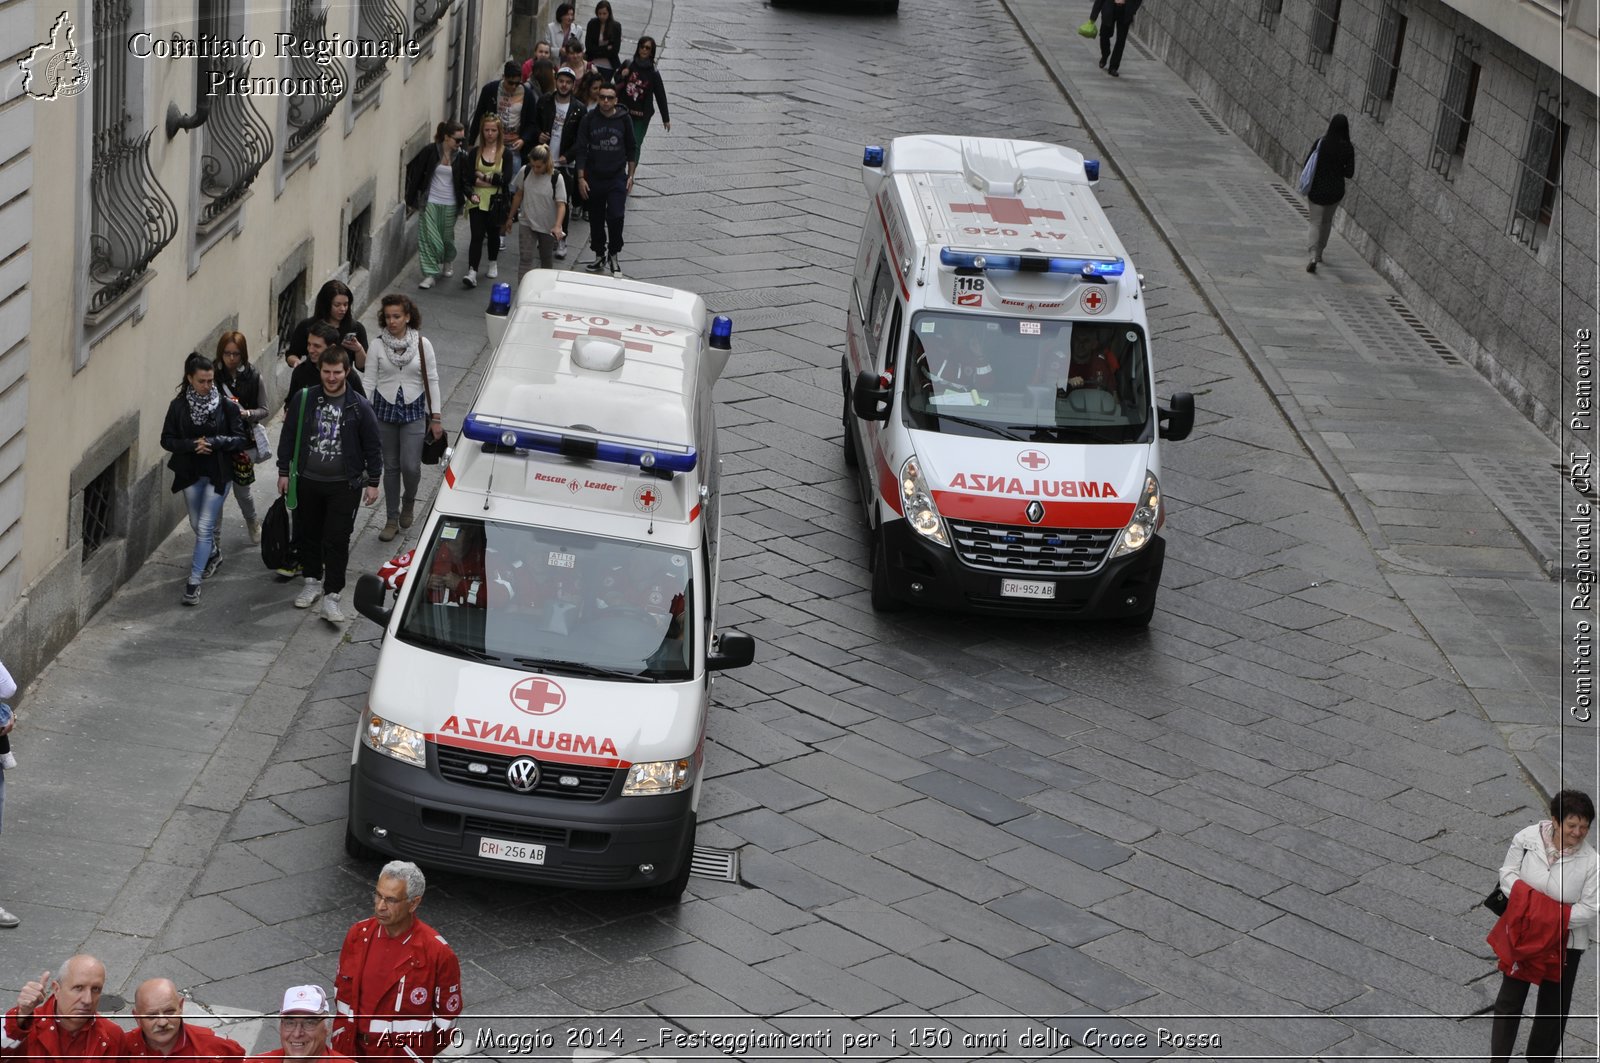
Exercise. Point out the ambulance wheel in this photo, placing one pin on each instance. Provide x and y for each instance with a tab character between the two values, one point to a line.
672	889
851	458
882	600
355	849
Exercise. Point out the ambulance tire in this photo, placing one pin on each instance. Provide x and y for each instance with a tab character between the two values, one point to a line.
882	600
355	849
851	457
672	889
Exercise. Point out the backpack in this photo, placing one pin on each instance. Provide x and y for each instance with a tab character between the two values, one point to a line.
276	549
1310	169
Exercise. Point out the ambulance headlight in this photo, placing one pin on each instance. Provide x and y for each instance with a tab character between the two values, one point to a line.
917	504
1148	516
394	740
658	777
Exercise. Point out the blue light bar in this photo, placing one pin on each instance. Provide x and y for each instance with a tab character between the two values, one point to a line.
722	333
500	300
575	443
1088	268
1091	169
949	256
873	156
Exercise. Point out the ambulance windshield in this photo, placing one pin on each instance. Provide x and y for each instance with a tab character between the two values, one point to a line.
1027	378
552	600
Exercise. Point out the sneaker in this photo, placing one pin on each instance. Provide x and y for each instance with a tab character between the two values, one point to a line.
611	264
8	920
1311	267
597	266
191	594
9	761
287	572
561	248
450	270
330	609
255	531
390	530
213	563
501	247
471	279
427	282
493	271
308	594
408	513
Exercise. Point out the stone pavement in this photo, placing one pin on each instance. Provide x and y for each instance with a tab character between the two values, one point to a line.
1285	799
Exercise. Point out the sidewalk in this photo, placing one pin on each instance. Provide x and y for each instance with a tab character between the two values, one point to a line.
1458	496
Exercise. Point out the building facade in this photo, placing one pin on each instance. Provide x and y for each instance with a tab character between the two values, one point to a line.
170	170
1474	123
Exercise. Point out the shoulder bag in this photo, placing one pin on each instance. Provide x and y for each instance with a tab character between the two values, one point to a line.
432	448
260	449
1497	901
1309	171
291	497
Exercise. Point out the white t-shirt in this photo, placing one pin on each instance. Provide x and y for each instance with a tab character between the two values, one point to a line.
442	189
539	198
556	129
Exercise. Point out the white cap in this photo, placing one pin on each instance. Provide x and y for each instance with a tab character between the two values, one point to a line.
567	70
304	1000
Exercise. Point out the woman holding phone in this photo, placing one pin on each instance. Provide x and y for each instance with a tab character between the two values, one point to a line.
335	306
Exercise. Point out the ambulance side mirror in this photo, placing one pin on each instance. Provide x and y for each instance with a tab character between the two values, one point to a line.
870	399
369	600
731	649
1177	420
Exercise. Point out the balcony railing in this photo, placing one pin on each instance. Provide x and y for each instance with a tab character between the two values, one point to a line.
132	218
427	14
380	20
308	113
238	144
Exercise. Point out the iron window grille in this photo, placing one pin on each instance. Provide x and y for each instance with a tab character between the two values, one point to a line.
308	21
1324	28
238	144
379	21
131	217
358	241
1455	108
1540	176
1268	13
428	14
1384	73
291	308
99	509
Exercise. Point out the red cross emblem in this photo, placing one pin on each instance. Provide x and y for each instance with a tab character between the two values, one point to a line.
1093	300
1032	460
646	499
1007	210
605	334
538	697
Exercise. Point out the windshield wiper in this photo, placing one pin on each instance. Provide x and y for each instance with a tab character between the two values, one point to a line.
985	425
578	668
450	647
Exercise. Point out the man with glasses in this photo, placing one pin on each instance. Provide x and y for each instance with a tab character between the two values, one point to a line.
398	991
606	160
303	1027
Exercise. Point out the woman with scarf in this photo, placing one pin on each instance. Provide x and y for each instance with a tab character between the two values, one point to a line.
640	91
202	432
1554	859
403	382
239	380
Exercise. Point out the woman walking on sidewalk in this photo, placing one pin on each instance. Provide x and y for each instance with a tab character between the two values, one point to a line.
1336	163
491	169
8	690
238	378
640	88
437	186
202	432
395	380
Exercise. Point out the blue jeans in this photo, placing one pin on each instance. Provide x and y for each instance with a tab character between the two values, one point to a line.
205	517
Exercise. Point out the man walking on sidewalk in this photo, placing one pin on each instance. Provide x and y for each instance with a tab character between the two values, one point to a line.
1118	19
329	450
606	161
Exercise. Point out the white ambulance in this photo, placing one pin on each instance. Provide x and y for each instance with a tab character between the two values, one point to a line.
539	706
999	392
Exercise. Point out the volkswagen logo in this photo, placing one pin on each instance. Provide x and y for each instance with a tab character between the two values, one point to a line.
1035	511
523	774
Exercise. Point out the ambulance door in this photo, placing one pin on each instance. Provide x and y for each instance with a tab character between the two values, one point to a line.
878	437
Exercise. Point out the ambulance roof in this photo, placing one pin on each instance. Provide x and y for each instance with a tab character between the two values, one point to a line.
992	195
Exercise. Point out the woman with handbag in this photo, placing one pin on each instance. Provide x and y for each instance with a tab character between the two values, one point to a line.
239	381
403	381
202	431
1553	858
1332	162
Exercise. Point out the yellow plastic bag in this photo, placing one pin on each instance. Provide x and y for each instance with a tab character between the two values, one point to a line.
1088	29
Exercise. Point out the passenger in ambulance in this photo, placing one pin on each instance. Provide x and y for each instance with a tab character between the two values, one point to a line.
456	573
1094	364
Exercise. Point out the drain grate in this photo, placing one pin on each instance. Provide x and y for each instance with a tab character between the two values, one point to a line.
1293	200
720	864
1253	202
1530	500
1206	116
1440	348
1584	484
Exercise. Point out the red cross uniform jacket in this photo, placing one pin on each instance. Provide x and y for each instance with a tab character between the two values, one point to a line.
1530	938
405	1009
42	1038
194	1042
328	1056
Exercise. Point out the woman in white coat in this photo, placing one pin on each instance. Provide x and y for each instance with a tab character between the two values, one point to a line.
397	365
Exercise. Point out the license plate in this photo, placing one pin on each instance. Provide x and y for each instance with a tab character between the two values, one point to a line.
1025	588
515	852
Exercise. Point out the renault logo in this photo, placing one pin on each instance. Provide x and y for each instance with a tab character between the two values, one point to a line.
523	774
1035	511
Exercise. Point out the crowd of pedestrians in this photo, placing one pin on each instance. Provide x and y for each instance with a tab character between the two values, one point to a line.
397	996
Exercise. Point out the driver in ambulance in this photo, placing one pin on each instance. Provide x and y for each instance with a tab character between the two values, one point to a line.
955	364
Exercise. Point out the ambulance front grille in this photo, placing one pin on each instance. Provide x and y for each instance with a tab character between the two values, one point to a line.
1026	549
592	784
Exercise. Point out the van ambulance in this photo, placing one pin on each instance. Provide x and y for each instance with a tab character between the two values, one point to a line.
999	397
539	707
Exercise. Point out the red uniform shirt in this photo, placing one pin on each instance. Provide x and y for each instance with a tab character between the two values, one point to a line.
328	1056
395	997
43	1038
194	1042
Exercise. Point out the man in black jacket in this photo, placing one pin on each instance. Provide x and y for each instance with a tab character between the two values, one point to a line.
339	465
1118	19
555	124
606	161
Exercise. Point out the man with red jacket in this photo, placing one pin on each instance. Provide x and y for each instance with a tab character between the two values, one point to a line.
398	991
303	1028
158	1007
57	1018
